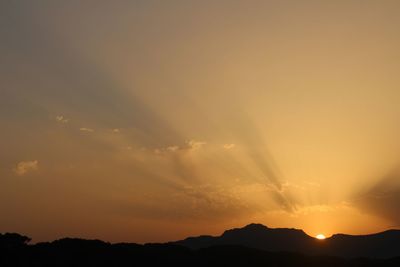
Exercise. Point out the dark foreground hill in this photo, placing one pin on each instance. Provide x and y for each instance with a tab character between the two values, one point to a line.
15	251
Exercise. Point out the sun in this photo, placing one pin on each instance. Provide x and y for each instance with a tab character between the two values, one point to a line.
320	236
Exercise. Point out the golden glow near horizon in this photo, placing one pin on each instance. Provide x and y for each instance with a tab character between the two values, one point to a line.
320	237
150	121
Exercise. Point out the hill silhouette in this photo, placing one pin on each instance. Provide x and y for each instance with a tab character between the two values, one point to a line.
380	245
253	245
256	236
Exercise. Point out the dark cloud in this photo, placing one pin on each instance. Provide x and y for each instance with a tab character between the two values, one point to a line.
382	199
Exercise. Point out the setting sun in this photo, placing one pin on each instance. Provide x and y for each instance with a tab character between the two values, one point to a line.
320	236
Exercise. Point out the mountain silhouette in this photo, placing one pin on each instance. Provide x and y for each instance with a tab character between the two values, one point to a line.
255	236
380	245
252	245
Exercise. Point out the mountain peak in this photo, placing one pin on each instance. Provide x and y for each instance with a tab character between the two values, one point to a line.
254	235
256	226
253	227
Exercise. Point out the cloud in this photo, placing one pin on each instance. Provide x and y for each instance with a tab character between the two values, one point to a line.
189	145
191	202
116	130
173	148
193	144
229	146
24	167
61	119
382	199
88	130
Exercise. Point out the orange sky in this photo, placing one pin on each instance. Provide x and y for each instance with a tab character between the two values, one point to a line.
154	120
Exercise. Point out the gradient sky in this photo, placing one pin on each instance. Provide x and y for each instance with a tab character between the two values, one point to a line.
154	120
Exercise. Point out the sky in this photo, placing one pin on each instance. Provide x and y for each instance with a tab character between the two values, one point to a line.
150	121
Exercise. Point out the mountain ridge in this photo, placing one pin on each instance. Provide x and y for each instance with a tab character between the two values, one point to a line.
384	244
297	249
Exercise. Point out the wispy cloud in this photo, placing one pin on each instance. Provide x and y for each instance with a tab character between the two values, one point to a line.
61	119
193	144
24	167
173	148
229	146
88	130
116	130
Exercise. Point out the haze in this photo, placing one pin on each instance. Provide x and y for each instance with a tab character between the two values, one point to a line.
151	121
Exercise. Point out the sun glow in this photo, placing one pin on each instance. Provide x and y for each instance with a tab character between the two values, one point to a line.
320	236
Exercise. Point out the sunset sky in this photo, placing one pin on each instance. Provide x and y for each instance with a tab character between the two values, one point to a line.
148	121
